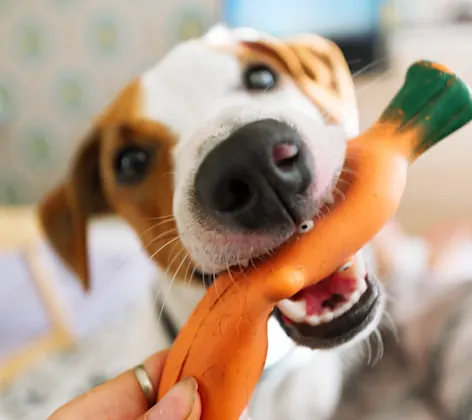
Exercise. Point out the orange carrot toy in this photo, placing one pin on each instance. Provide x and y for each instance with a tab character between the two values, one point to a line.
224	343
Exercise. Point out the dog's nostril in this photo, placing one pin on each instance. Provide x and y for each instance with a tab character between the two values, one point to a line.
232	194
285	155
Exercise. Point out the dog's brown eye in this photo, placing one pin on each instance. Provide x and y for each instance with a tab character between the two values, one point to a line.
260	77
131	164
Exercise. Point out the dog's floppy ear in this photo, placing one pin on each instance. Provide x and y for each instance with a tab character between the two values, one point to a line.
64	213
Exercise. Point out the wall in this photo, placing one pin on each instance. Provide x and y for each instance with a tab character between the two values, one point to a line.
61	61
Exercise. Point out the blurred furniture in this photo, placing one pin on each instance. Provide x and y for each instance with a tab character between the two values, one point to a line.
43	309
20	233
438	186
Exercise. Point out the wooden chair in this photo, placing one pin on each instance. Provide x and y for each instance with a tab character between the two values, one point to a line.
20	232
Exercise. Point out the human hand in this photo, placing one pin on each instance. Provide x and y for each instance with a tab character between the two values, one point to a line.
122	398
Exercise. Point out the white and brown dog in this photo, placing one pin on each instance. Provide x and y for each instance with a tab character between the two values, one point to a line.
216	156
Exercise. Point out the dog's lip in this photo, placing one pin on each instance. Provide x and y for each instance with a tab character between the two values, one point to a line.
341	328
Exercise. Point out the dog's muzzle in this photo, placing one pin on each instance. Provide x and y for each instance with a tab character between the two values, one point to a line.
255	179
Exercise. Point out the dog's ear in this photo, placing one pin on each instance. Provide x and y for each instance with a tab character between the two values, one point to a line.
64	212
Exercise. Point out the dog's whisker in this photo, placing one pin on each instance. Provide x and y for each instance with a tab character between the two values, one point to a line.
369	350
321	213
171	262
166	296
164	246
159	237
189	279
192	274
214	285
167	174
214	276
349	171
367	67
228	270
169	216
380	352
173	278
343	181
272	252
375	349
391	325
170	254
182	262
337	191
238	261
354	61
251	261
154	227
325	208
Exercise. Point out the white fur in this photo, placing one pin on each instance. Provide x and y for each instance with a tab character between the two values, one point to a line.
307	386
196	91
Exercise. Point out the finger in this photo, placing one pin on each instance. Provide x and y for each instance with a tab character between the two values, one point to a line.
118	399
182	402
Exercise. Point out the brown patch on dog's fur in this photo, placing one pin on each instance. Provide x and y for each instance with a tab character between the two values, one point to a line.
64	213
125	108
91	189
317	66
147	207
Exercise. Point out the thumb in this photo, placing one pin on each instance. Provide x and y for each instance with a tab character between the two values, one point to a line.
182	402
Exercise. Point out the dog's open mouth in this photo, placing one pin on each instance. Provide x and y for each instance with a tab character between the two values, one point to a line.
322	302
332	311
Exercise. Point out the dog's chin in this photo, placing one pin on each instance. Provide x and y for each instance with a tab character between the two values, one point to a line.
336	326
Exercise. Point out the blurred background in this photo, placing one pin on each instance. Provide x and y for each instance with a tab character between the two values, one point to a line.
62	61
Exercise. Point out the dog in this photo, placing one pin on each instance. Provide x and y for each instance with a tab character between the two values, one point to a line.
216	156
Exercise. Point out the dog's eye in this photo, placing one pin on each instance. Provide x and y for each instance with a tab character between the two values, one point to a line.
260	77
131	164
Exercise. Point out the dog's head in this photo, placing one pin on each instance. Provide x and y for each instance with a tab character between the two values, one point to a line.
216	156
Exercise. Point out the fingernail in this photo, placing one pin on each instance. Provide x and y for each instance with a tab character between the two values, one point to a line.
177	404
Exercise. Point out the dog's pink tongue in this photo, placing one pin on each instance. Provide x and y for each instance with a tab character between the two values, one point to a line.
327	294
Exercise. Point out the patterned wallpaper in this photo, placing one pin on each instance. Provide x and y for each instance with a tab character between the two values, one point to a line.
61	62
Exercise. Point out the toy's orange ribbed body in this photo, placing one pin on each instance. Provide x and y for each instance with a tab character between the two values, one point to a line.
224	343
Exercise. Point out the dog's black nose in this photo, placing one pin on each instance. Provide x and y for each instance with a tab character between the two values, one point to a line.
256	177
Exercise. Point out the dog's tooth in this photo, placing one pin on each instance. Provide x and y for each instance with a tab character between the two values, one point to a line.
313	320
355	297
341	310
296	311
327	317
